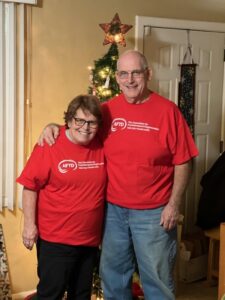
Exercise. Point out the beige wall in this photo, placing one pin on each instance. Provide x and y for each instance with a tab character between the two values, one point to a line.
66	39
22	262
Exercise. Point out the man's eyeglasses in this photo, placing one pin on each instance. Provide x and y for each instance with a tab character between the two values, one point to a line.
81	122
134	74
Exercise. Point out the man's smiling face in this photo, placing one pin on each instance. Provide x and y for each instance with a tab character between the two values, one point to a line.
133	76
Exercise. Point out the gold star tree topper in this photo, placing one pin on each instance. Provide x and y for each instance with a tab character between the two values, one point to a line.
115	31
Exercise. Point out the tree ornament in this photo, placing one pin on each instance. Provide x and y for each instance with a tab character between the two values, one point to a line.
115	31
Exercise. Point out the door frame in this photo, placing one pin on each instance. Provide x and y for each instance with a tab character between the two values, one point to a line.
142	26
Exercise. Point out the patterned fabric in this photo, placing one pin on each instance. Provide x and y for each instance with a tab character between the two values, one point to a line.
186	99
5	291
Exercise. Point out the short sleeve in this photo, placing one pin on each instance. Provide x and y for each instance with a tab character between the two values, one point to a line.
36	172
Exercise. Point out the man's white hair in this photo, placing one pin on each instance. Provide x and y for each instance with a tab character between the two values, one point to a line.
137	53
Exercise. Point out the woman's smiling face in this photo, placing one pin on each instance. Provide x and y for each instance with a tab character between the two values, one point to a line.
83	134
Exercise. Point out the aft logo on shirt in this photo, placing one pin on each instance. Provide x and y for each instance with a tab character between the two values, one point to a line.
121	124
118	124
68	165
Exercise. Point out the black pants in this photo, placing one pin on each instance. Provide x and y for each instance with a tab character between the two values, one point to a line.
65	268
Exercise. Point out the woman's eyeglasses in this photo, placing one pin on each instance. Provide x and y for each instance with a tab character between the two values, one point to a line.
81	122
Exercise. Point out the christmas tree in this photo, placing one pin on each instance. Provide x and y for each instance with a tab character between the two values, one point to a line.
103	80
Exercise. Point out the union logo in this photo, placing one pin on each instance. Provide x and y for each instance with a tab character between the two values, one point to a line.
118	124
67	165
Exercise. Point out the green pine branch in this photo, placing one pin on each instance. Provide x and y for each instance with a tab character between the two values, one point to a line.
104	70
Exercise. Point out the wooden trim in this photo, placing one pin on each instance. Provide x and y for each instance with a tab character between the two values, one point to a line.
221	291
2	85
21	97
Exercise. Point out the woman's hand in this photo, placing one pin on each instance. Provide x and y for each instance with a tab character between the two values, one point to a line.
30	235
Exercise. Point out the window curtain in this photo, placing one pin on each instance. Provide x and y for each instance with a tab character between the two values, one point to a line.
11	99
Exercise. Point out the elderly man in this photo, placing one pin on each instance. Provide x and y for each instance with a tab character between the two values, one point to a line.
148	148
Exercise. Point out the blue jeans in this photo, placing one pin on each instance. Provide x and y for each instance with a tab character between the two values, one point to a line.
129	233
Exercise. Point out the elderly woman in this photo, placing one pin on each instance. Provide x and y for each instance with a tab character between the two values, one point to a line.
63	203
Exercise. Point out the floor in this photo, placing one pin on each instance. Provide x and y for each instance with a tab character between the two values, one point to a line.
199	290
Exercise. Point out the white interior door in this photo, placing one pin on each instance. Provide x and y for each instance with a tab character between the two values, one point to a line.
165	45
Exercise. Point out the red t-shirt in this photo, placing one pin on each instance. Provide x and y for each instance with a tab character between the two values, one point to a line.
70	180
142	144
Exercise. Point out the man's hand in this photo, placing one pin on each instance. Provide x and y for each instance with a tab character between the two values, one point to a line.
169	216
49	134
170	213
